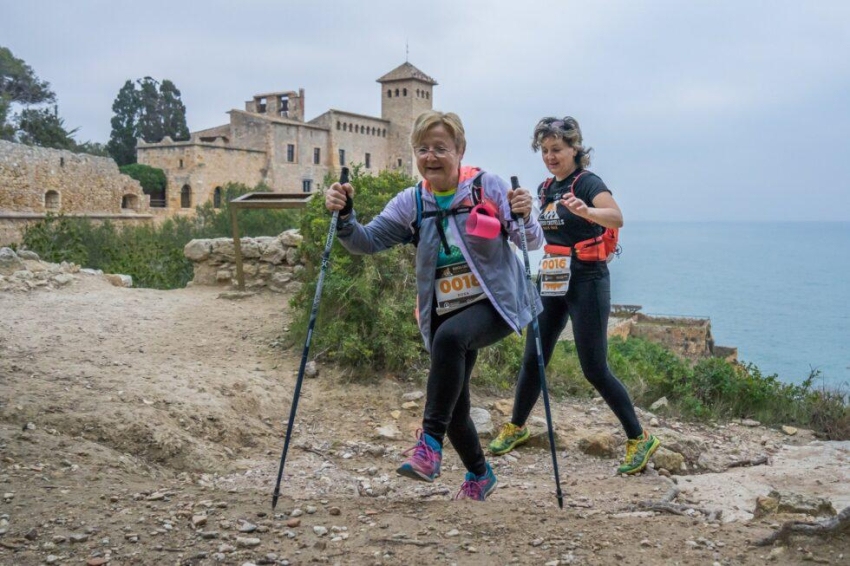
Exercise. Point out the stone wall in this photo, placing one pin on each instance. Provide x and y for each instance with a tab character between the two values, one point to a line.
35	181
267	262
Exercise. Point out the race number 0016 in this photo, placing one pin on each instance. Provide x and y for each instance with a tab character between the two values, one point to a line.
553	263
458	283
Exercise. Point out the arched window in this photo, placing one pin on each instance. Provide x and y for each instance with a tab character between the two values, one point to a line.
389	93
345	127
217	197
404	91
337	124
396	92
130	202
52	200
357	129
186	197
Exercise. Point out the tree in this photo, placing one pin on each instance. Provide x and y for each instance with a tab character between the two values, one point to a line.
173	112
149	126
20	85
44	128
18	82
122	140
149	110
152	179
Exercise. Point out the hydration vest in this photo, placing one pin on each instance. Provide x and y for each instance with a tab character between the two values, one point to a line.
441	214
601	248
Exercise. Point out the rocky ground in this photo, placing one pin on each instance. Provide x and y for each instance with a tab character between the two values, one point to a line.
145	427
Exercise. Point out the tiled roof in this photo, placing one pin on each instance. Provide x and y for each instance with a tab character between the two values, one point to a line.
404	72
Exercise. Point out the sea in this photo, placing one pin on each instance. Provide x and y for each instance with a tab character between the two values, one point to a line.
779	291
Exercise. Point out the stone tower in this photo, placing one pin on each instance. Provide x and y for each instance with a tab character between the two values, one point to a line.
406	92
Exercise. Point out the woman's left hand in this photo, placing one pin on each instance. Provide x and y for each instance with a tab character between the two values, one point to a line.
574	205
521	202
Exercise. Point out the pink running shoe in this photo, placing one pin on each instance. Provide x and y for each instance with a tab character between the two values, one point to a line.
424	465
478	487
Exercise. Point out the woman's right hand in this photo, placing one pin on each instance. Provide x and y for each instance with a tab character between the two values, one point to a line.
337	195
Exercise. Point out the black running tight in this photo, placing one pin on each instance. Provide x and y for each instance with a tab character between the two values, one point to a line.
456	339
588	304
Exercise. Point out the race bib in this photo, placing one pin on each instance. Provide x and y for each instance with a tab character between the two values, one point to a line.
456	287
554	275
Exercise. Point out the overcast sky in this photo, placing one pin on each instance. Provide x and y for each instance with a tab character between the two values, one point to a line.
698	110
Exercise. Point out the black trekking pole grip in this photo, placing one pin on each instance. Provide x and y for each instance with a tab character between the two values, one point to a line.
541	365
343	178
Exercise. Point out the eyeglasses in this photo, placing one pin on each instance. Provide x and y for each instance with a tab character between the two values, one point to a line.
437	152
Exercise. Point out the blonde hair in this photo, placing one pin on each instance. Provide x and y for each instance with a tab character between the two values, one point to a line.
449	120
567	130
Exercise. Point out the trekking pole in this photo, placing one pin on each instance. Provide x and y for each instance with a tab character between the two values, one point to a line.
343	178
541	366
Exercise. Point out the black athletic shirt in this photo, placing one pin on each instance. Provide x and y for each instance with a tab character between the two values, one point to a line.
560	226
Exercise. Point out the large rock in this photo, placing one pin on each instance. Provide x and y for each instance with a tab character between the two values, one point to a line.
291	238
10	262
274	252
671	461
197	250
119	280
223	249
796	503
482	420
600	444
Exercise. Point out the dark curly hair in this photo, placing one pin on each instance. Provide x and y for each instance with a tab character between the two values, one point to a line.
566	129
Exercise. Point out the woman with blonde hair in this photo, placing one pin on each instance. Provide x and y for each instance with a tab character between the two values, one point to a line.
470	284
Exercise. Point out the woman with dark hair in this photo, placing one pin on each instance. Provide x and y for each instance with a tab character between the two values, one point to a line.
576	208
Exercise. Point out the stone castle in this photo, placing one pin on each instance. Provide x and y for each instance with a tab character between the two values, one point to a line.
271	142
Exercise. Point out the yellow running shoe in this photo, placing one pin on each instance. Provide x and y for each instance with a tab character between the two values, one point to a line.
510	436
638	452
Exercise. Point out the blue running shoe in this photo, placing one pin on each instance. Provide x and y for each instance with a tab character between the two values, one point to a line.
478	487
424	464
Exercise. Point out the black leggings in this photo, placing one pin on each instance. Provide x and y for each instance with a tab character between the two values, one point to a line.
588	304
456	339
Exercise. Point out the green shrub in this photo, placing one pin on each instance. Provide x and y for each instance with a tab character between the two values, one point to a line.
151	179
151	254
366	317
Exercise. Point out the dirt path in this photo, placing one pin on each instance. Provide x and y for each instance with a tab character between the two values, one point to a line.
145	427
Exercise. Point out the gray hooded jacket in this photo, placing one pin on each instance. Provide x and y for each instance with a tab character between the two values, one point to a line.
498	269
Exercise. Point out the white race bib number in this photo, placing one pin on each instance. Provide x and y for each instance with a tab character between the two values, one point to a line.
554	275
457	287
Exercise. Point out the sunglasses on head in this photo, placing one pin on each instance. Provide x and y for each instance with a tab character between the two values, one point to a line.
560	124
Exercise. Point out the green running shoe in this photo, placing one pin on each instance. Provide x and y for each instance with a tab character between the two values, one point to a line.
638	452
510	436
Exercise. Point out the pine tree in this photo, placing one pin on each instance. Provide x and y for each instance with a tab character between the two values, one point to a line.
18	84
44	128
149	110
173	112
122	140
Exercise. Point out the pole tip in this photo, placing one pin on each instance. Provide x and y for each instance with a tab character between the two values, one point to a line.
514	182
343	176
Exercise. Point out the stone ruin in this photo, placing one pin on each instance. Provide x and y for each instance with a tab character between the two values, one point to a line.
268	262
24	271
